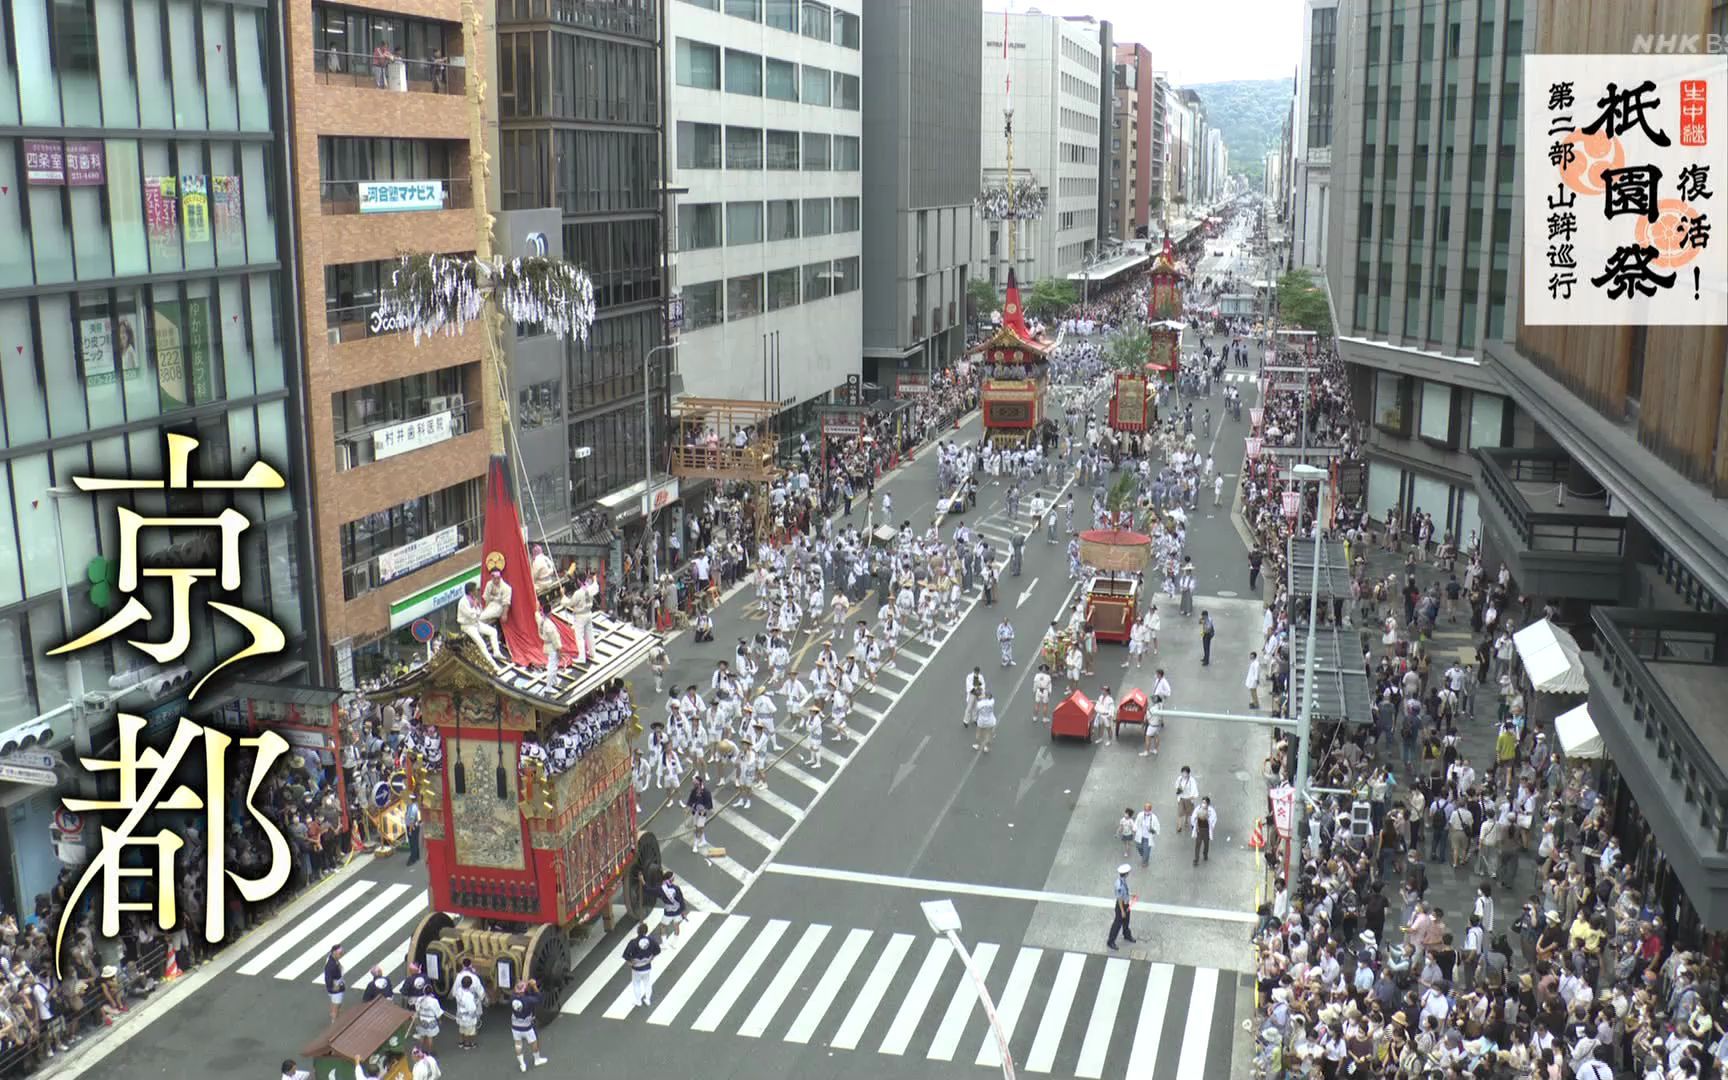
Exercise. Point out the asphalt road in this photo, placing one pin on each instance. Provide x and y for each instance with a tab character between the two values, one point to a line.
811	957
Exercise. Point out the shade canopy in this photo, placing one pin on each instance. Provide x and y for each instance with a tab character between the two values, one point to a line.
1552	658
1578	736
1120	551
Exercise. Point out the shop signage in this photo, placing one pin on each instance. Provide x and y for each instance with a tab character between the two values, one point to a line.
662	496
165	715
25	774
344	650
1292	504
86	164
31	759
388	196
908	385
45	162
379	323
675	313
411	435
412	556
445	592
310	740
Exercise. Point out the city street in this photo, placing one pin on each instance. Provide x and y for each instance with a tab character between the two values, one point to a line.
809	955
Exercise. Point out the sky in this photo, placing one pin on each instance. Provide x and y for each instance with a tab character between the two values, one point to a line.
1195	41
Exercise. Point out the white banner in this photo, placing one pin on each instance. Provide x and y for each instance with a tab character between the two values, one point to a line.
392	195
411	557
1283	808
411	435
1623	185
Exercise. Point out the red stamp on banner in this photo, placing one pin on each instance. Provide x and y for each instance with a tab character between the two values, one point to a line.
1694	97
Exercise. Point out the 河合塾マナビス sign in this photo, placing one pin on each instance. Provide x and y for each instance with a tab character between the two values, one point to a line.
385	196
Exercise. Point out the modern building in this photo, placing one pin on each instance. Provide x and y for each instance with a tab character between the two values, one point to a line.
1217	165
766	129
1420	265
396	430
1132	141
1312	135
1616	515
1158	158
582	174
1058	96
147	288
923	63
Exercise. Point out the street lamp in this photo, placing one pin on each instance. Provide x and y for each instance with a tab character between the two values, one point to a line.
945	920
1305	709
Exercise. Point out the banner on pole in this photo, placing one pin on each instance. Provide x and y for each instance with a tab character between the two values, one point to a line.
1283	809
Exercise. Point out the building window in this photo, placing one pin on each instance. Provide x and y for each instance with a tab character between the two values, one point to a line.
816	21
743	148
745	9
698	226
372	546
782	80
846	275
1391	403
781	14
394	401
539	404
818	86
1487	420
817	156
818	218
846	32
846	153
698	65
818	281
1436	423
847	215
782	219
711	5
845	91
743	223
743	297
702	305
743	73
783	150
782	288
698	146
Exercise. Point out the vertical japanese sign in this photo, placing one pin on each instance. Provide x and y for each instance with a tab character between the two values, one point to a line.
195	207
161	212
1623	185
225	208
183	369
44	162
86	163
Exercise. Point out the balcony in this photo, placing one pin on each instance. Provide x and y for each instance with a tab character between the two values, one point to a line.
1658	679
407	99
401	75
1559	540
392	438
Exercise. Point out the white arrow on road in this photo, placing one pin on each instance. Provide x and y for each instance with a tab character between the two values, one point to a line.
902	771
1042	763
1026	595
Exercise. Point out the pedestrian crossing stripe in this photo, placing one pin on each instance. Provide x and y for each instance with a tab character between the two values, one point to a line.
903	994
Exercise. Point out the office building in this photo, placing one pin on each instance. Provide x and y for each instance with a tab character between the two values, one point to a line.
923	64
1419	268
396	431
766	129
582	175
1312	135
1157	158
1132	141
147	288
1056	66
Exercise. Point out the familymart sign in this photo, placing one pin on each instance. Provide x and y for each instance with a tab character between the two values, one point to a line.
444	593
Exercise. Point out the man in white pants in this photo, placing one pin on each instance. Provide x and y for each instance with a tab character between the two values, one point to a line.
639	953
470	622
549	640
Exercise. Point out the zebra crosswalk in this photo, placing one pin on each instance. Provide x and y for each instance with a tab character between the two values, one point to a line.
906	994
1240	376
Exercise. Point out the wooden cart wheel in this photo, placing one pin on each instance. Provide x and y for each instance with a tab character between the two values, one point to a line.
430	928
643	879
548	962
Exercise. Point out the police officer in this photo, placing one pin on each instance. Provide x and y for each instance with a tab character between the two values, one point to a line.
524	1007
639	953
1124	904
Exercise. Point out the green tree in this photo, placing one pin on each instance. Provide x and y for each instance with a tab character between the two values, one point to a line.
1050	298
1302	301
981	297
1128	348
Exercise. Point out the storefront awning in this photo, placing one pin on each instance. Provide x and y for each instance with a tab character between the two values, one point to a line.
1578	736
1552	658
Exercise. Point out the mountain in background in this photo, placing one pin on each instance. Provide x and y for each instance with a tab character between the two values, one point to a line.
1250	114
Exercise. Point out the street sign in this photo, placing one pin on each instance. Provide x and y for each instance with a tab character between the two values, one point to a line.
675	312
30	759
67	822
25	774
423	630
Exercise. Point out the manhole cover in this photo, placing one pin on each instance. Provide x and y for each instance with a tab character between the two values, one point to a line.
1228	594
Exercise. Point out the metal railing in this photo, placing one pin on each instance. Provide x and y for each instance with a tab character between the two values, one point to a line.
337	68
356	448
1629	640
343	196
362	577
1684	582
1582	533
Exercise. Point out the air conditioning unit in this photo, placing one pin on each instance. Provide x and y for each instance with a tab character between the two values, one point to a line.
438	404
350	455
333	335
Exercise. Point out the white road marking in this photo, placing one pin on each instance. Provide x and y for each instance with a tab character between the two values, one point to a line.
623	1004
733	988
706	960
1020	603
816	1006
835	758
870	996
730	866
755	833
1042	1057
298	931
798	774
598	979
1004	892
1008	1006
864	710
1198	1032
918	996
1098	1030
960	1006
1143	1058
768	1005
359	956
785	806
696	898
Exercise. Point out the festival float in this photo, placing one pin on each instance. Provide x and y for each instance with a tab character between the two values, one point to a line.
1118	556
1163	315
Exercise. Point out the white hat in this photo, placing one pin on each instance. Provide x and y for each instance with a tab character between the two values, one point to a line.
1124	868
